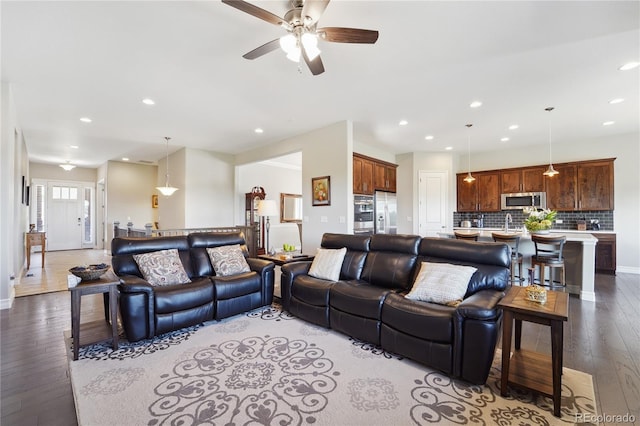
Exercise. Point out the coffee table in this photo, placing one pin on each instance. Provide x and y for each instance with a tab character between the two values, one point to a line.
527	369
95	331
281	260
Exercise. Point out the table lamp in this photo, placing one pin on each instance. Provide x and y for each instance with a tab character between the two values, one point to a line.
267	208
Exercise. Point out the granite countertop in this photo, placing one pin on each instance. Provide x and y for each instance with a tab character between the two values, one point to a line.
519	228
485	233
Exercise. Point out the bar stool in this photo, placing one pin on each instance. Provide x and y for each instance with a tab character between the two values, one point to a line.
466	236
512	241
549	254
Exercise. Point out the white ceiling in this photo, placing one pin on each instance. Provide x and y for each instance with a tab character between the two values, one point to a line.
66	60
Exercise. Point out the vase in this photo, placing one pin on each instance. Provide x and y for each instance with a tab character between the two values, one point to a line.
541	231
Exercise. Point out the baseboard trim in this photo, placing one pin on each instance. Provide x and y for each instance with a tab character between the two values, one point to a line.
628	269
8	303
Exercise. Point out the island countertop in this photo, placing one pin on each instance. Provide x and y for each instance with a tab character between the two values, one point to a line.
485	233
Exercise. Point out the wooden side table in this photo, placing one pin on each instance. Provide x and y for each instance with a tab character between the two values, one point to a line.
527	369
34	239
94	331
281	261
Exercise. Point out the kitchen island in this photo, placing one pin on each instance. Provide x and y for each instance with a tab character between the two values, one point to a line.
579	255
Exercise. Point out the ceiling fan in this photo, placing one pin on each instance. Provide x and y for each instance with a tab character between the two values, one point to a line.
302	33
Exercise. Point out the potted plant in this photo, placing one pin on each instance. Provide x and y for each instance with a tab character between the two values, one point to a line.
539	222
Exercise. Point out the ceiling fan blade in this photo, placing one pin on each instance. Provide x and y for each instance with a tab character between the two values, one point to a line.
316	67
256	11
263	50
314	10
347	35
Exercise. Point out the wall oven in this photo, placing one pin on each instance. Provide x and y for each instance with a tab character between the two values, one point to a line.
363	212
524	200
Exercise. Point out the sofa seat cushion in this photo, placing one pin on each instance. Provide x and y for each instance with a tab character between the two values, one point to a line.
236	285
358	298
179	297
310	290
424	320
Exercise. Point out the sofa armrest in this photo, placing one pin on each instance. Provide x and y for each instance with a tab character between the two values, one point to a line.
137	307
289	273
264	268
259	265
481	305
134	284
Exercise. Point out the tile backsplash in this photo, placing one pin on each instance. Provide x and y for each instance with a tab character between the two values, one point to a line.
569	219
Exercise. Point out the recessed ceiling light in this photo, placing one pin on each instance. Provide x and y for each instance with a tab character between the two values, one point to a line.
608	123
504	139
629	66
74	146
403	122
449	148
259	130
616	101
513	127
475	104
125	159
148	101
86	120
429	137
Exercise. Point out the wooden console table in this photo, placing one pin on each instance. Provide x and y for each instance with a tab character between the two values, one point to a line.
527	369
34	239
94	331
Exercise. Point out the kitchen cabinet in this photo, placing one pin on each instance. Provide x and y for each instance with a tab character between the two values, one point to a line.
384	176
529	179
562	189
606	253
595	185
362	175
481	195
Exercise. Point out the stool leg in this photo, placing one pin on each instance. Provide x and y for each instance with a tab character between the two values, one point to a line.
513	273
542	268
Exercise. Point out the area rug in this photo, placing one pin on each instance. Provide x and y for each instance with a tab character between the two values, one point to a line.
268	368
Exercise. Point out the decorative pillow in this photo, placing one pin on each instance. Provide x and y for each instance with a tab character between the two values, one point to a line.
441	283
327	264
228	260
162	267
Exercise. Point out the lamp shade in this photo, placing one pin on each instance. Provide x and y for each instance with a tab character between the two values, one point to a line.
267	208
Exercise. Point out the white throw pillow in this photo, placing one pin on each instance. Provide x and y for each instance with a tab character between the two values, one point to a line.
327	264
228	260
441	283
162	267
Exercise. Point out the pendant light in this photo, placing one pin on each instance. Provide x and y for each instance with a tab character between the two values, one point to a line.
167	190
469	178
550	172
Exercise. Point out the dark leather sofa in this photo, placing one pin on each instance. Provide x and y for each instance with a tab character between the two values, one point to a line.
148	311
368	301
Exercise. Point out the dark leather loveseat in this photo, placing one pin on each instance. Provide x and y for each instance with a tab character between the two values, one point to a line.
149	311
368	301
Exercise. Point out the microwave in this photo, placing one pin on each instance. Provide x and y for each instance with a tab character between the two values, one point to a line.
522	200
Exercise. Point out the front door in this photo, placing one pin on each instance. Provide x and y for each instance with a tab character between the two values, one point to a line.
64	212
432	203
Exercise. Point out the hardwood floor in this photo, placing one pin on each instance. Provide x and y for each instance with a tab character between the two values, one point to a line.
602	339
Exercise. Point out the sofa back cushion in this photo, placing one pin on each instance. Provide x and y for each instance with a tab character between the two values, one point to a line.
123	249
492	260
357	248
391	261
201	241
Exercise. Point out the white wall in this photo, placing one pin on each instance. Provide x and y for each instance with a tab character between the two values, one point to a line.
208	189
325	152
53	172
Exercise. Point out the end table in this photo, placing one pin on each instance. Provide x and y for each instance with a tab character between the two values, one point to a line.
94	331
527	369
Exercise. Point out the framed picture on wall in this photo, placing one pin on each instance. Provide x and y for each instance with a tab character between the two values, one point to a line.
154	201
321	190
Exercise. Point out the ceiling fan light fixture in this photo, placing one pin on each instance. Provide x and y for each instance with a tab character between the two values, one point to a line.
288	42
310	43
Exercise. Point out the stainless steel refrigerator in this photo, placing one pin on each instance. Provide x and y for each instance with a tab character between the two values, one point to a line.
386	213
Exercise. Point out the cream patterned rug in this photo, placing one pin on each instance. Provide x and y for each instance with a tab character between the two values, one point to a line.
268	368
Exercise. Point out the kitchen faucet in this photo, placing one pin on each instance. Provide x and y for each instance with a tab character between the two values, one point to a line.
507	221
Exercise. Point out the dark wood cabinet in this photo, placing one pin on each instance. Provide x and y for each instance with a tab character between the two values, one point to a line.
251	199
362	175
595	185
530	179
606	253
481	195
562	189
370	175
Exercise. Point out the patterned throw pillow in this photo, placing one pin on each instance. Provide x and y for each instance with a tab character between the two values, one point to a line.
228	260
162	267
327	264
441	283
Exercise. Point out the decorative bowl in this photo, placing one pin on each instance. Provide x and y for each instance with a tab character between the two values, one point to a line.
90	272
536	293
